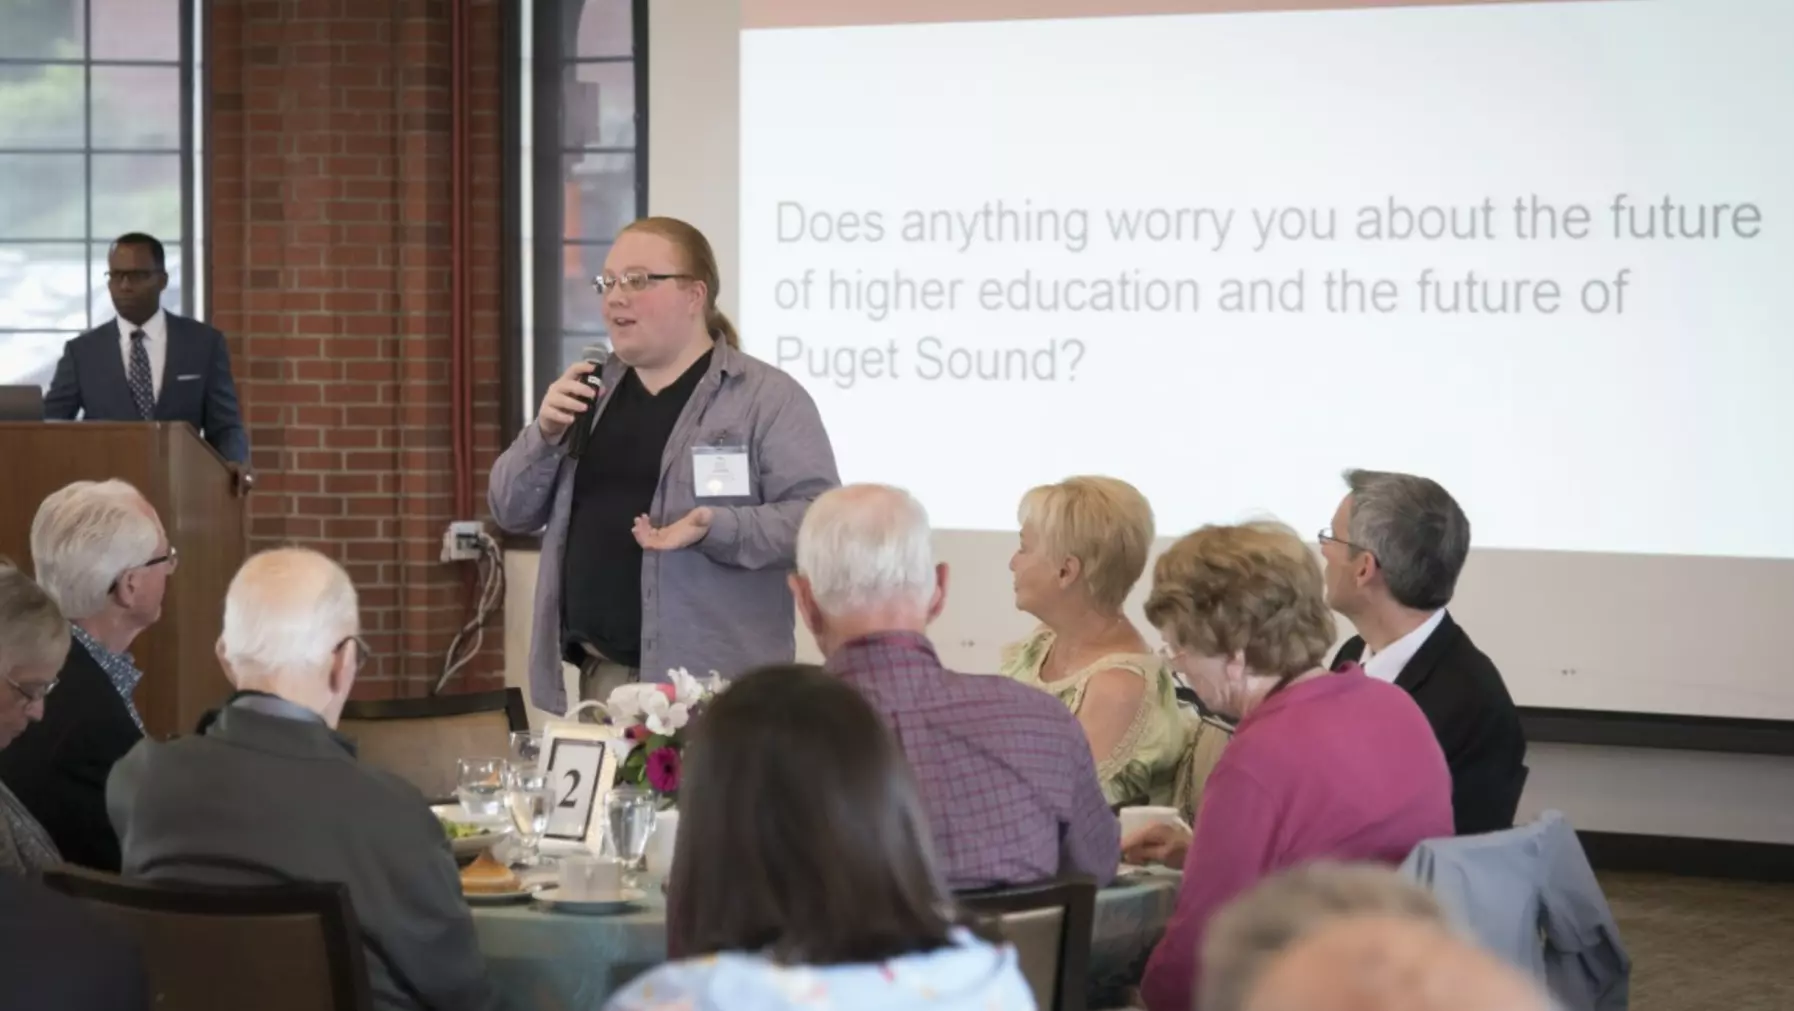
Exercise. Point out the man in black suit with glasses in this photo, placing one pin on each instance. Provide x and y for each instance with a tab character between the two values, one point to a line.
1393	555
149	364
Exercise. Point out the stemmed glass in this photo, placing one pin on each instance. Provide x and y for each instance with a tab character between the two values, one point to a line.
629	814
526	748
529	799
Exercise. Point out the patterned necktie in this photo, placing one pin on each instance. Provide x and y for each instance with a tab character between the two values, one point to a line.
143	387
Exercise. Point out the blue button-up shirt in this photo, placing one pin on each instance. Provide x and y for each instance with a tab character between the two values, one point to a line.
119	667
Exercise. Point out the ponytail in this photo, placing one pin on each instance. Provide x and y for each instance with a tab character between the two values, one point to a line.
719	326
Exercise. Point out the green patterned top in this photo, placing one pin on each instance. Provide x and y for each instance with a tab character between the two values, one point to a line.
1143	765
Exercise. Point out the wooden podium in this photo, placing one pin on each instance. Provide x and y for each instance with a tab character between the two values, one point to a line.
202	501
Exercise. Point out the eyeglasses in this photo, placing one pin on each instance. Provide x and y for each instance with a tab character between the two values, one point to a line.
362	653
1326	536
36	693
173	558
633	280
138	276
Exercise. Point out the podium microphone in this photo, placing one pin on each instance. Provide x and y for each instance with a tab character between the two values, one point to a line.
597	354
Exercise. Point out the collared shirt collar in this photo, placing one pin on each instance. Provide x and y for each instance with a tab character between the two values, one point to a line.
120	669
1387	665
274	705
843	659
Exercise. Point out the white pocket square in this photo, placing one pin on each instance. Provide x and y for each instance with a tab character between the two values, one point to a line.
182	379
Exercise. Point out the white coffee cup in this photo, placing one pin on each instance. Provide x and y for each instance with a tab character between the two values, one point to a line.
588	877
1133	819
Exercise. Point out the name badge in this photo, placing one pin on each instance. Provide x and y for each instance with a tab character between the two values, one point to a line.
720	472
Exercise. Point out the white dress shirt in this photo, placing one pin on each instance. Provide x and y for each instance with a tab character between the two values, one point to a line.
1387	665
155	341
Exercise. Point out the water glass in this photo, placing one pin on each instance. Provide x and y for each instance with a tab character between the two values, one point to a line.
628	822
480	787
529	799
526	748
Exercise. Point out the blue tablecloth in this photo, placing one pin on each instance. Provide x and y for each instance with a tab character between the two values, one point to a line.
543	961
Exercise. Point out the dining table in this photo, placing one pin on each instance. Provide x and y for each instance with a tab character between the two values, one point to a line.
543	960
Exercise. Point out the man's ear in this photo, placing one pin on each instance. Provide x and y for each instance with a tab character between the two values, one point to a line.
342	669
806	602
1367	569
938	602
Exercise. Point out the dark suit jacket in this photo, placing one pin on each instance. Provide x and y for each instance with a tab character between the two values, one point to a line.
1464	698
56	956
256	798
58	767
196	384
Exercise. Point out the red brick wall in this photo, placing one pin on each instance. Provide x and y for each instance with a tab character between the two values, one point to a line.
330	273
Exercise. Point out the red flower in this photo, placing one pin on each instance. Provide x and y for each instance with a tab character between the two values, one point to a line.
663	769
639	732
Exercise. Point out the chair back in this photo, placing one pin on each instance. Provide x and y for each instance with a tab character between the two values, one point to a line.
1204	739
1049	924
419	740
293	947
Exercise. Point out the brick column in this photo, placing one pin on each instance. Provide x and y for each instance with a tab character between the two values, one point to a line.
330	262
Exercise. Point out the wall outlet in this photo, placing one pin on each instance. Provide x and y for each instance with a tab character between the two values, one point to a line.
461	541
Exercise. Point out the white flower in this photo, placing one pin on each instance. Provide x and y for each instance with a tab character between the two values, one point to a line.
663	716
686	689
715	684
627	703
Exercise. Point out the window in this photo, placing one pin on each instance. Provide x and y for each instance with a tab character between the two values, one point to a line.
579	174
97	129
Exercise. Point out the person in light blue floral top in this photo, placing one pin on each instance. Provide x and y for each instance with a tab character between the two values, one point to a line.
803	876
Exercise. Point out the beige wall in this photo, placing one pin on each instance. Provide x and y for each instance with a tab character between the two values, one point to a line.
1524	605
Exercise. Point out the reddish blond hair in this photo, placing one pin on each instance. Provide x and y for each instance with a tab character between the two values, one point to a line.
700	263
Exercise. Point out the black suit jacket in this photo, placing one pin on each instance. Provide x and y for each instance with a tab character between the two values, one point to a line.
196	384
256	798
58	766
1464	698
56	956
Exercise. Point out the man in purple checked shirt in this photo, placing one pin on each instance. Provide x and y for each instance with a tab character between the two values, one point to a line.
1004	769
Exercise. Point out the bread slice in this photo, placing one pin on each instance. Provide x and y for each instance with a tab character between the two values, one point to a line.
486	876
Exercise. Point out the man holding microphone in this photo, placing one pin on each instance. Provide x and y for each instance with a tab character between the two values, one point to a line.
668	524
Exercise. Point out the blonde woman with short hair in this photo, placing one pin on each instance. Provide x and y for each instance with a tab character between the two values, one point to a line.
1083	547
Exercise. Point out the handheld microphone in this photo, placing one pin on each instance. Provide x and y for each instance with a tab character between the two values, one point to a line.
597	354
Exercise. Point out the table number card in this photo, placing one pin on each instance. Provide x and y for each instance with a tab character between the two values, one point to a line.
581	764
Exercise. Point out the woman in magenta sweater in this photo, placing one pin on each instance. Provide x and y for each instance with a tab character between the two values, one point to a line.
1323	765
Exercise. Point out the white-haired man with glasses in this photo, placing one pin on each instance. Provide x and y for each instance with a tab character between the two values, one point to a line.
102	555
267	792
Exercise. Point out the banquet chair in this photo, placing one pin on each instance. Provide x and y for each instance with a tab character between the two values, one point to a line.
1049	924
419	740
292	947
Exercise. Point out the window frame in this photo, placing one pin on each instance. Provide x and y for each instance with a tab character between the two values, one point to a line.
193	40
532	91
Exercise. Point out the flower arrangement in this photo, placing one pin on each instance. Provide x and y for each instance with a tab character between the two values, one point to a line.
654	718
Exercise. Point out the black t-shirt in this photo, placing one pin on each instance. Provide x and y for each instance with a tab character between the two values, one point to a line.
601	571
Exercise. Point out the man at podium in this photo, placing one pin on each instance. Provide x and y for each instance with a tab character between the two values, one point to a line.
149	364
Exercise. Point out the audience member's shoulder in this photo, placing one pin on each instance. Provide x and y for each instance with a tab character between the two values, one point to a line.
996	695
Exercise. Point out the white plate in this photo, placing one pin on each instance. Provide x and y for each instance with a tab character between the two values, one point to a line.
625	901
473	845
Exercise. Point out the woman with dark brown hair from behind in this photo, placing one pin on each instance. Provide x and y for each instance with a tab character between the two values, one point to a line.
803	873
